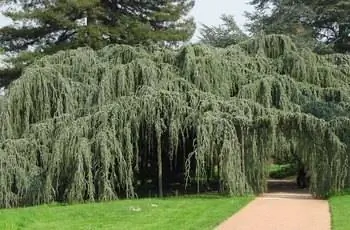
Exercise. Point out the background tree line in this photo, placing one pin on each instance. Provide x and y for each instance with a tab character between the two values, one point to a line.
323	26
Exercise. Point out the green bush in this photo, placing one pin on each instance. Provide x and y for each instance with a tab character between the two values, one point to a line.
277	171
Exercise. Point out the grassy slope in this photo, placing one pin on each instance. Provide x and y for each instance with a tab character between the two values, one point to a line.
340	209
174	213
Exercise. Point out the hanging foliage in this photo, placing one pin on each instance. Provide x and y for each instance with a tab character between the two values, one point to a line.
87	125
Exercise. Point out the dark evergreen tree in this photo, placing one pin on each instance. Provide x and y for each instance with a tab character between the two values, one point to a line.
310	22
44	27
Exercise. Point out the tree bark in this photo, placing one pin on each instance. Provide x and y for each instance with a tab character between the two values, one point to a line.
160	163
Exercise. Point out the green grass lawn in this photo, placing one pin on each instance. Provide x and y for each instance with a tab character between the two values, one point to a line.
173	213
340	210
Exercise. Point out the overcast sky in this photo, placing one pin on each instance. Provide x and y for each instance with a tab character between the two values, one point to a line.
205	11
209	11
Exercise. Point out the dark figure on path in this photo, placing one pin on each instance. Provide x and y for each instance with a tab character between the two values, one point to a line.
301	178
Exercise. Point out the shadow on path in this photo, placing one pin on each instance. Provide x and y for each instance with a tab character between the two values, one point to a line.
286	189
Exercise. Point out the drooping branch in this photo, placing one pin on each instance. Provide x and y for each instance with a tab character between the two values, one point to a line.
82	124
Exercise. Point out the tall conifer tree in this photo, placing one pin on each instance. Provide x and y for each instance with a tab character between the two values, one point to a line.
42	27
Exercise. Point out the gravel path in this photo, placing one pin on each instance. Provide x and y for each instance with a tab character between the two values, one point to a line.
281	211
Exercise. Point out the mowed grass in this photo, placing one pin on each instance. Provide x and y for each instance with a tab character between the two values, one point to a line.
340	210
173	213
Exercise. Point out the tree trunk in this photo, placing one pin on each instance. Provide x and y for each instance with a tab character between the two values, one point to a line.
160	164
160	175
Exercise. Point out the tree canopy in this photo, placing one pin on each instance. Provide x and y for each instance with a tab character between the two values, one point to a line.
223	35
86	125
45	27
309	22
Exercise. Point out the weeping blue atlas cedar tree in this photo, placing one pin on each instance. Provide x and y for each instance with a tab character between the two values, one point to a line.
82	125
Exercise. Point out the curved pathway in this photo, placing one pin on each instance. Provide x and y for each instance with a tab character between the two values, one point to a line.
281	211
